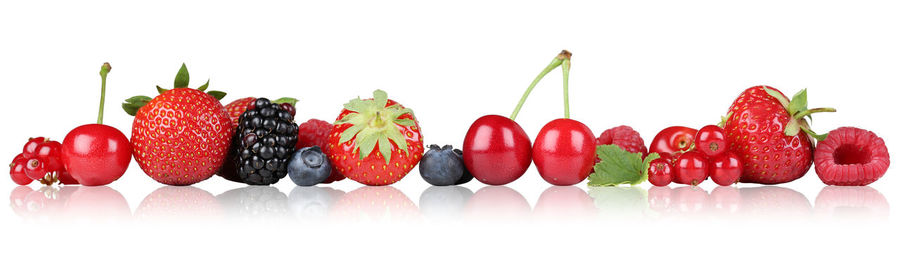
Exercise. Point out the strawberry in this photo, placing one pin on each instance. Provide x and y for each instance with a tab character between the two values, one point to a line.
180	137
375	141
764	129
236	108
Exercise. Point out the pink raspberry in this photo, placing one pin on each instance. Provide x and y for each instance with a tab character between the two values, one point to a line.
625	137
851	156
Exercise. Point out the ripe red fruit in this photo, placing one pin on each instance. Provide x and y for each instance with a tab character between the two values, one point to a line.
851	157
691	168
625	137
660	172
237	107
375	141
35	169
673	139
764	128
17	170
564	152
31	146
496	150
726	169
96	154
711	141
180	137
50	154
314	132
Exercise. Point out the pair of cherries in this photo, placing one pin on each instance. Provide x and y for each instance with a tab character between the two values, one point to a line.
497	150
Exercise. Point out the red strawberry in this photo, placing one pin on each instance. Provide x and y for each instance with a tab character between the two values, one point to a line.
764	129
236	108
314	132
181	137
375	141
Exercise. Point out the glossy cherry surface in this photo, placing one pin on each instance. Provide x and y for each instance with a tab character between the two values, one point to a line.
673	139
96	154
564	152
726	169
496	150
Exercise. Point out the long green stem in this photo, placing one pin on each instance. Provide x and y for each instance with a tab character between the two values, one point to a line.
104	70
566	64
557	61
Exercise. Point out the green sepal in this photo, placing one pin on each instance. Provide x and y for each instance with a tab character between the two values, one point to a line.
778	96
182	78
133	104
798	103
204	87
217	94
373	123
289	100
160	89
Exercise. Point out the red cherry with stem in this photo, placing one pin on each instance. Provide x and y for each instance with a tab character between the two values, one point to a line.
564	152
726	169
691	168
17	171
660	172
496	150
31	146
673	139
97	154
711	140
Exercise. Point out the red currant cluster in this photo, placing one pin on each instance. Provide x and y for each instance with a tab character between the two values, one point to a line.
707	157
40	160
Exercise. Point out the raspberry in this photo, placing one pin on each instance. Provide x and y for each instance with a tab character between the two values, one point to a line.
625	137
314	132
851	157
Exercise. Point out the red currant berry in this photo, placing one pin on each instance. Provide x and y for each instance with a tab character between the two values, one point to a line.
691	168
660	172
711	140
35	170
726	169
31	146
50	153
17	171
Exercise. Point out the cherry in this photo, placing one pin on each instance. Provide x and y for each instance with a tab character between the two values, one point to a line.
97	154
17	171
660	172
31	146
673	139
726	169
564	152
691	168
496	150
711	140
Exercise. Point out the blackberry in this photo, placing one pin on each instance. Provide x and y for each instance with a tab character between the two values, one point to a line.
264	142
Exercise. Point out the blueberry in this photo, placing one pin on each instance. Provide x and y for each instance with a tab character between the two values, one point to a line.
442	166
309	166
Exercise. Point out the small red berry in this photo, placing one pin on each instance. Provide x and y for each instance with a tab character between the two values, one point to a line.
17	171
35	169
691	168
711	140
660	172
851	157
726	169
31	146
50	154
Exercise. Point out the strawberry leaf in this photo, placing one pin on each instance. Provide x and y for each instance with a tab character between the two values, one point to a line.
798	103
373	123
204	87
618	166
182	78
160	89
217	94
778	96
133	104
289	100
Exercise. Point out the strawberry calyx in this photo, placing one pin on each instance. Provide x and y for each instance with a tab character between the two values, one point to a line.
374	123
133	104
799	111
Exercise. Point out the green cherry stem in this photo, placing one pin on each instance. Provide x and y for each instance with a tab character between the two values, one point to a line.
104	70
557	61
566	65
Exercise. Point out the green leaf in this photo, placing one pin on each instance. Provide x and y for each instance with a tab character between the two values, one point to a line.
395	135
380	98
347	118
777	95
217	94
289	100
618	166
182	78
798	103
366	141
204	87
405	122
357	105
133	104
384	146
349	133
792	128
160	89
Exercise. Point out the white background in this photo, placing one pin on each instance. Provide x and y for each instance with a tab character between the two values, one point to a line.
647	64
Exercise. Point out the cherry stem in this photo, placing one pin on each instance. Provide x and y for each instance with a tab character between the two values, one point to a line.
566	65
557	61
104	70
